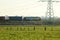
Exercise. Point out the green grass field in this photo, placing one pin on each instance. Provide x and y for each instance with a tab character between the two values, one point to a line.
26	32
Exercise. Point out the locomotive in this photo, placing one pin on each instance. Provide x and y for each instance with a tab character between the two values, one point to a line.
32	18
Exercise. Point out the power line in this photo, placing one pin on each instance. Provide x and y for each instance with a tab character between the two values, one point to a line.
50	11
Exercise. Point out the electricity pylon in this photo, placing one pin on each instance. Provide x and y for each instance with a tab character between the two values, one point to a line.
50	11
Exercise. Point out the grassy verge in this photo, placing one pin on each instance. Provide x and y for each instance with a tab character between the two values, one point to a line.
29	32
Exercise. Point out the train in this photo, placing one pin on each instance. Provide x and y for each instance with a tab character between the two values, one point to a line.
19	18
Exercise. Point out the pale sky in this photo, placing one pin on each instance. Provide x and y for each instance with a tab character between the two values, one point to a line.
26	8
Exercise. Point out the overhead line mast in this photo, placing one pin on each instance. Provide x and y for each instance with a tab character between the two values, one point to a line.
50	12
